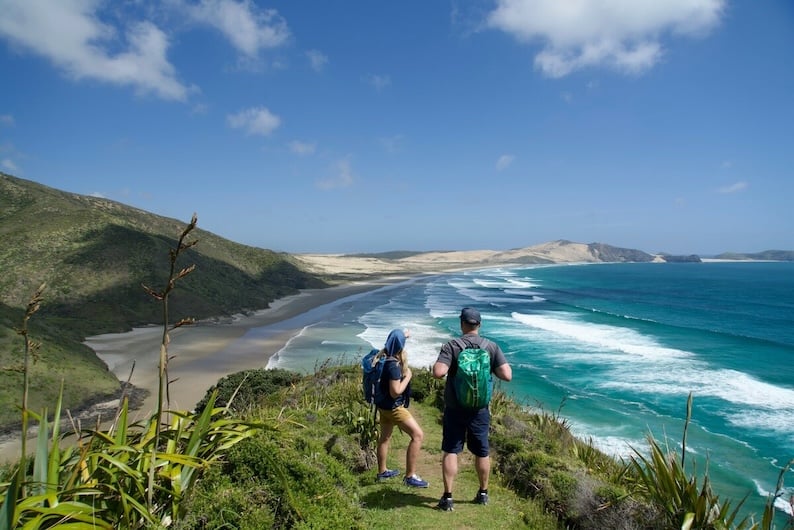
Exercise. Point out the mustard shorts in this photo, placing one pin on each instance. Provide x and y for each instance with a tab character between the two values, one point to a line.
395	416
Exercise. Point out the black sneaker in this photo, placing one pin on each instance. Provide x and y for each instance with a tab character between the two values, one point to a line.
481	498
446	504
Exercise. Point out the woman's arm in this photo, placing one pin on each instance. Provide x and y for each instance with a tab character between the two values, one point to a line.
398	386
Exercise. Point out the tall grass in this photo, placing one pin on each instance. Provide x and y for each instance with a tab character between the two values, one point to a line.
662	478
130	475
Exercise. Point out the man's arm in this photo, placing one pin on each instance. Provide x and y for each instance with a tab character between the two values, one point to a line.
443	362
504	372
440	370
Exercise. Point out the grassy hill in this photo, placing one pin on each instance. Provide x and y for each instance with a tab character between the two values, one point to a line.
94	254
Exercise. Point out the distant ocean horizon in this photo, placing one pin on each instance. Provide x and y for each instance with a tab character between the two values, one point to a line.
615	349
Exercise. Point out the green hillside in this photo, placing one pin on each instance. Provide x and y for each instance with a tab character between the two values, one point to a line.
94	254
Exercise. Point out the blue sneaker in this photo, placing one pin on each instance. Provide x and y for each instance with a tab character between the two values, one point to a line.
389	473
415	481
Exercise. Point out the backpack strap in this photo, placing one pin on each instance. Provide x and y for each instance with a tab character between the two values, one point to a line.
464	343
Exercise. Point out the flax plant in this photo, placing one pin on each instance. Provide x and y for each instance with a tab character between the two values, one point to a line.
769	509
163	395
14	490
663	479
131	475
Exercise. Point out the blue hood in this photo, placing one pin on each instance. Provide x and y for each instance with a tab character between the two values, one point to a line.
395	342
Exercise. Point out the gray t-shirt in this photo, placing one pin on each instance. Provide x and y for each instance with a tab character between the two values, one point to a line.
449	356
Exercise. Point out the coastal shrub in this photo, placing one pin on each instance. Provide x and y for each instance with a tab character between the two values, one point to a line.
345	385
350	453
662	478
219	502
303	487
428	389
598	505
233	508
248	387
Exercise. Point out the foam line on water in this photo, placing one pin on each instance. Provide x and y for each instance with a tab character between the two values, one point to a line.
639	364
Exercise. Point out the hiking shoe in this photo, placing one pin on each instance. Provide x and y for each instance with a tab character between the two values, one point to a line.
389	473
415	481
445	504
481	498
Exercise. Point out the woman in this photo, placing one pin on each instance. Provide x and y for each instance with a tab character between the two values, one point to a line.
392	401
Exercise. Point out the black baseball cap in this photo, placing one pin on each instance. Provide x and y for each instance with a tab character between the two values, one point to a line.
470	315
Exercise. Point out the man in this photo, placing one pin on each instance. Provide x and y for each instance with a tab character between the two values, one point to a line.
461	424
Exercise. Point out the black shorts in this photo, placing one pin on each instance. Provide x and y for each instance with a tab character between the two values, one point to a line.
469	426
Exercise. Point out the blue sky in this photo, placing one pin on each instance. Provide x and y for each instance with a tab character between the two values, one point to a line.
365	125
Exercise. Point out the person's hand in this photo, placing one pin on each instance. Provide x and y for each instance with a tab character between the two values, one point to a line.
408	374
407	333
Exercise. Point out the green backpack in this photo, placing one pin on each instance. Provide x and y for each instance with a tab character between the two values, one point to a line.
473	382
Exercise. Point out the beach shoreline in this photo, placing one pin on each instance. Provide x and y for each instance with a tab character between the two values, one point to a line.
199	354
203	353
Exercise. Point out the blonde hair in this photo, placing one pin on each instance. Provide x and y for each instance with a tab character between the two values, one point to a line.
401	356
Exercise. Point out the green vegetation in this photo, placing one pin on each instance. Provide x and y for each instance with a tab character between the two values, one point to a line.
312	465
133	475
299	453
94	254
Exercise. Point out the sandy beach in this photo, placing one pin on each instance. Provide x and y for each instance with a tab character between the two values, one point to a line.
203	353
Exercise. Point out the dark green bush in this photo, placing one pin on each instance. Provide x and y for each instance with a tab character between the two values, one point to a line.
254	386
303	486
220	502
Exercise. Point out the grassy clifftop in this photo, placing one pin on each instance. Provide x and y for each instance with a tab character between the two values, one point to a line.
314	467
94	254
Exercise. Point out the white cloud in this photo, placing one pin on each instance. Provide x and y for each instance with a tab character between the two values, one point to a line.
302	148
504	162
249	28
97	194
317	59
6	119
257	120
378	81
733	188
9	164
621	34
70	34
342	178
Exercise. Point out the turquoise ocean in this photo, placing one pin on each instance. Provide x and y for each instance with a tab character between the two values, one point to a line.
613	348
